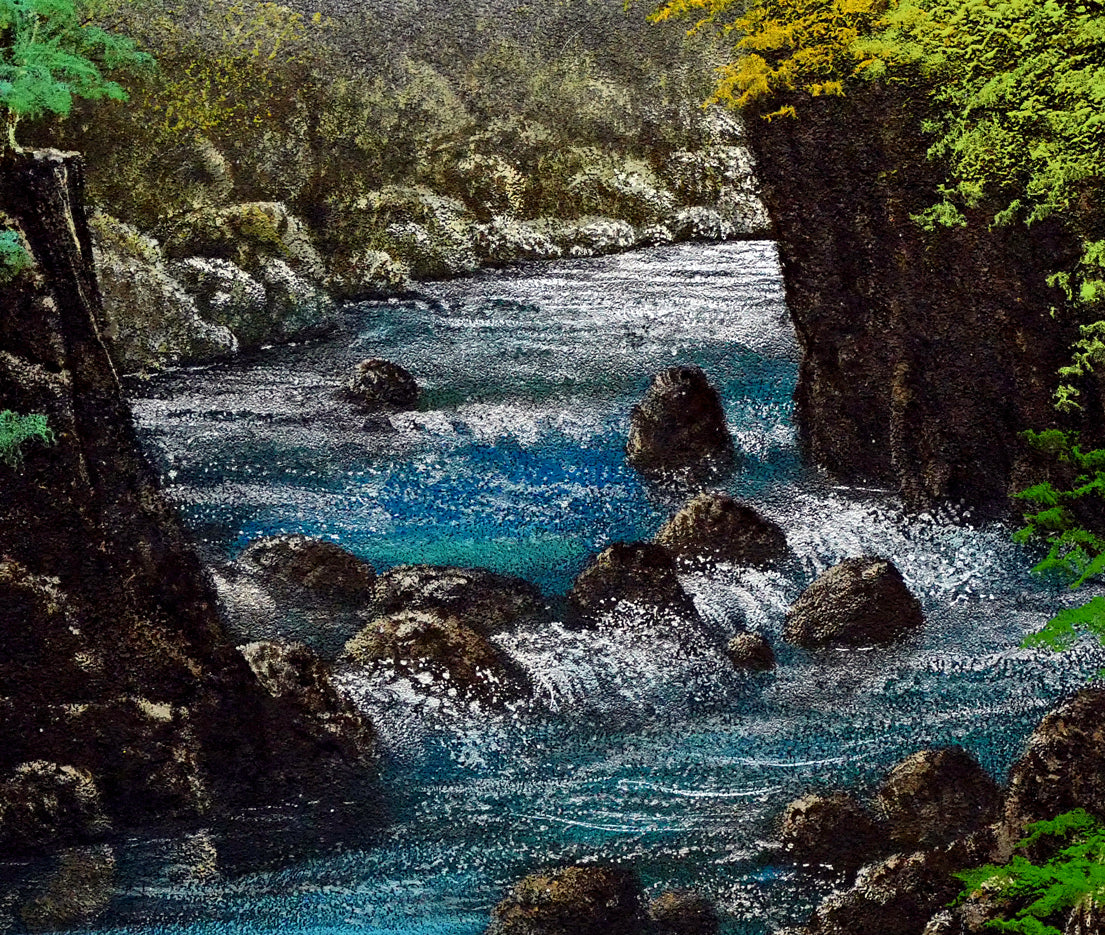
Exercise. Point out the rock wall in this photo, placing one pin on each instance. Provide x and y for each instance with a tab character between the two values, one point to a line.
112	658
923	355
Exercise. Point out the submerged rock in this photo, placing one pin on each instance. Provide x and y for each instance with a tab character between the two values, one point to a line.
751	651
483	600
43	804
860	602
581	900
935	796
381	385
439	654
75	893
640	573
715	527
833	829
679	425
683	912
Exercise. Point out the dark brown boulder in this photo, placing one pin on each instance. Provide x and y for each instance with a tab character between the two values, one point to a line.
300	683
582	900
457	659
382	386
679	425
74	893
833	830
751	651
43	804
487	602
321	567
860	602
935	796
714	527
640	573
896	897
1063	767
683	912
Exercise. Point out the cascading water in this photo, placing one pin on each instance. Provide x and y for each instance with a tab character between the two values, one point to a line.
642	743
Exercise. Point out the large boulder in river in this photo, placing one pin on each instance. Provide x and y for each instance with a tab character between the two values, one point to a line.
584	900
683	912
1063	767
935	796
483	600
438	654
833	829
715	527
679	425
318	566
43	804
300	682
639	573
296	588
860	602
382	386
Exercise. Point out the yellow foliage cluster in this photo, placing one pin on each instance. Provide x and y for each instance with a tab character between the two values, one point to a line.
786	45
232	74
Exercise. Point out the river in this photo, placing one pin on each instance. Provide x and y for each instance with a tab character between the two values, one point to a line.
638	747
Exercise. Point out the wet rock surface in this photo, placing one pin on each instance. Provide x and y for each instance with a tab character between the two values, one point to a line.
716	528
581	900
382	386
831	829
860	602
679	426
639	573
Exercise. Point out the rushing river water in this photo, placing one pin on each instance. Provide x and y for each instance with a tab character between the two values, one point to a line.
639	747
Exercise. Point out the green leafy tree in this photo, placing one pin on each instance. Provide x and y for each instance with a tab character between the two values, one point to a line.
1046	891
49	55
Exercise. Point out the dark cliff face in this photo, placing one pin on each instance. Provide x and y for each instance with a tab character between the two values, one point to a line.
112	658
924	354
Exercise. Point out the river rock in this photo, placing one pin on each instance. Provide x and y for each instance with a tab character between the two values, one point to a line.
380	385
43	804
246	235
301	682
483	600
679	425
683	912
896	897
150	321
751	651
715	527
861	601
640	573
438	653
1063	767
833	829
935	796
321	567
75	893
581	900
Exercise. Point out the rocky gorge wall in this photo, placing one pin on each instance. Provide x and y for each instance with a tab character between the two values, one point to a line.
924	354
113	663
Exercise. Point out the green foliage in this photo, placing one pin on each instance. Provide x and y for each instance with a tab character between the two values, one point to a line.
1045	892
14	258
49	55
16	430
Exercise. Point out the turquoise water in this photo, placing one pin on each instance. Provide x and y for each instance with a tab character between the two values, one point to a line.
641	745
